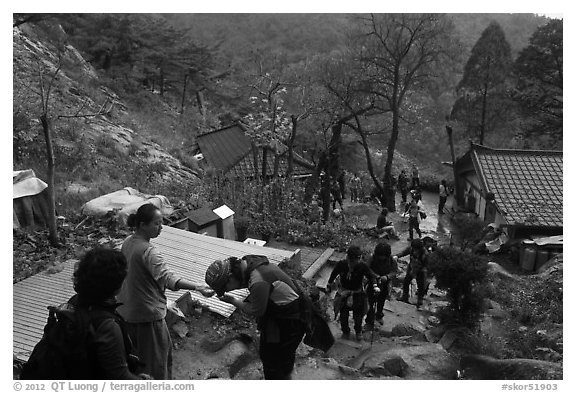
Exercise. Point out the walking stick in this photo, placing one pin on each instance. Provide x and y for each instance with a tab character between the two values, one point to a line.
373	307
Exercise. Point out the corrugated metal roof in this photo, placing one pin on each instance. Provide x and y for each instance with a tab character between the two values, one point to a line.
188	254
223	148
527	185
203	216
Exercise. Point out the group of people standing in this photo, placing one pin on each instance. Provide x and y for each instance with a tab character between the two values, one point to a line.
364	287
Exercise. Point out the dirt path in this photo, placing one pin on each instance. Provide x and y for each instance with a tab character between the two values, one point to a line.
209	346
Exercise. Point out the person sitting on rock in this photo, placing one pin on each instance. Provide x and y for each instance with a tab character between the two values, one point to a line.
385	228
350	296
417	268
385	268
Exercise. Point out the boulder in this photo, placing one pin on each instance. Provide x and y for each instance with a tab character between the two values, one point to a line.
488	368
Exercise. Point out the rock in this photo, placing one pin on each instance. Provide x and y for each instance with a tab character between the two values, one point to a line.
405	329
396	366
488	368
180	328
435	334
456	338
497	270
434	320
548	354
555	263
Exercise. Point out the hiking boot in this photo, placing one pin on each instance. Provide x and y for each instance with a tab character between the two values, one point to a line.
359	336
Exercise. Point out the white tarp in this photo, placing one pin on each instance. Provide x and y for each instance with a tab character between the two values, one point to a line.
25	183
125	202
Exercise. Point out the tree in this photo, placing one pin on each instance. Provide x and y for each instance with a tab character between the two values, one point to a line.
483	89
398	53
539	81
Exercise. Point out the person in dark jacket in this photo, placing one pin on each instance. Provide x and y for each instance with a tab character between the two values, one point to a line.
385	228
385	268
417	268
351	296
274	300
403	185
97	280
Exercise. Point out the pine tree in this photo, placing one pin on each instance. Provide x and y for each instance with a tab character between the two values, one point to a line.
483	88
539	72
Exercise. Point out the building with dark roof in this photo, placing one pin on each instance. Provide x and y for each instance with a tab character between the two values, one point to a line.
229	151
520	190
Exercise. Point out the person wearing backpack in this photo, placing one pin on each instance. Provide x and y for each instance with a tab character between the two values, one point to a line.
144	302
274	300
85	338
351	295
385	269
417	268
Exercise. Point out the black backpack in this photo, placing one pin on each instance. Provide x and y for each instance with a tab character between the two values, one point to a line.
64	352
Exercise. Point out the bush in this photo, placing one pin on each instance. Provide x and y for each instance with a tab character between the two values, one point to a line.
470	229
462	275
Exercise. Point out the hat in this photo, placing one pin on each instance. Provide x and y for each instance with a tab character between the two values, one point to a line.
417	243
354	252
217	275
383	249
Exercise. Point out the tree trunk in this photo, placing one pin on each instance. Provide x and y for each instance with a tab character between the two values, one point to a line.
256	161
264	165
200	101
482	124
183	94
369	165
390	202
53	232
323	164
290	144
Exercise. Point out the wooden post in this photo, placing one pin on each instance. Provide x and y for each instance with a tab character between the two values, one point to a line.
457	191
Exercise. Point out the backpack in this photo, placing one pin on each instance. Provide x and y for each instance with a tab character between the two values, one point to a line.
64	352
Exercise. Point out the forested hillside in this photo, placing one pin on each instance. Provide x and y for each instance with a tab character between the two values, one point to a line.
304	80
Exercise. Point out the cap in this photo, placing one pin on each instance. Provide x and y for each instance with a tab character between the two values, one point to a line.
417	243
217	275
354	252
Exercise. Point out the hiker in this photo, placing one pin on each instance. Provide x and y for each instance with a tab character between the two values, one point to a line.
351	296
415	177
273	300
385	268
341	179
142	296
417	268
354	188
385	227
107	350
336	195
415	214
403	185
443	193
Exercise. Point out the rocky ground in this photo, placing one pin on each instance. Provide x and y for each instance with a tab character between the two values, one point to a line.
409	345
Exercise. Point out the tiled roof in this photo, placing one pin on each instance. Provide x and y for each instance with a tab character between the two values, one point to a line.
230	151
527	184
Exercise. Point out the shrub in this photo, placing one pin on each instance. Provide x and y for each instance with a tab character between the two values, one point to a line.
470	229
462	275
